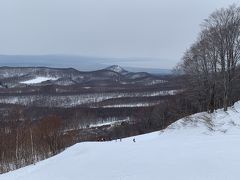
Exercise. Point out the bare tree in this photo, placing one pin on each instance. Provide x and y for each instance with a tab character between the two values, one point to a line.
212	59
225	27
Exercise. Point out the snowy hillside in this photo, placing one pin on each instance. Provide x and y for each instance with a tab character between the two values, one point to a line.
200	147
13	77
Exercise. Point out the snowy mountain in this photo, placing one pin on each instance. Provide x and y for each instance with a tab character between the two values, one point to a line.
14	76
200	147
117	69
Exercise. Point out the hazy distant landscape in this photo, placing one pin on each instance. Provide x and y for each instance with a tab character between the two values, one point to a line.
81	63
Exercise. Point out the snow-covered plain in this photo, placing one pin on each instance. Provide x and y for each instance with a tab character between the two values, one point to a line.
38	80
199	147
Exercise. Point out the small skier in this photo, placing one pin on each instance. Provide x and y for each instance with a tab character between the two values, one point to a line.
134	140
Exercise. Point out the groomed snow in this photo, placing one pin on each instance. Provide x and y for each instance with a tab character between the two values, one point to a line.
200	147
38	80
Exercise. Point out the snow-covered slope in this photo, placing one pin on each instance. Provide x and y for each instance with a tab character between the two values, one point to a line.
200	147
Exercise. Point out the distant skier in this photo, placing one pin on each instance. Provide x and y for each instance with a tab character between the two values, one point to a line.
134	140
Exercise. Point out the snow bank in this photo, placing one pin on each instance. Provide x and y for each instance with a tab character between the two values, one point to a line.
200	147
205	123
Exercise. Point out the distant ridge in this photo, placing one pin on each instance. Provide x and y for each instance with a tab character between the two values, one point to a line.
110	76
82	63
118	69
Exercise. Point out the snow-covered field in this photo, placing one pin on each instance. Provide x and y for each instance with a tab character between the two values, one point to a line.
111	123
38	80
200	147
130	105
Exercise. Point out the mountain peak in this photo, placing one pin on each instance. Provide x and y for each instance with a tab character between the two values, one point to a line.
117	68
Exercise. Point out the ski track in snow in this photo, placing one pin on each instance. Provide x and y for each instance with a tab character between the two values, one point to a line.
199	147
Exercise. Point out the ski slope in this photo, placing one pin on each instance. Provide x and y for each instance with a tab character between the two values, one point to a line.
199	147
37	80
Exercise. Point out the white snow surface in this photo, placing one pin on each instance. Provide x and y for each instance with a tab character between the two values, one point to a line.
200	147
37	80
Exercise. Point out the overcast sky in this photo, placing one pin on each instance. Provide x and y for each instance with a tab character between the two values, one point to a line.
160	29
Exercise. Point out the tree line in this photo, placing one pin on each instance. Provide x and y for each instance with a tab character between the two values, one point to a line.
210	65
24	142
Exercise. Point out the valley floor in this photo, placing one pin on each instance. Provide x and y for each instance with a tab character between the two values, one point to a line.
200	147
